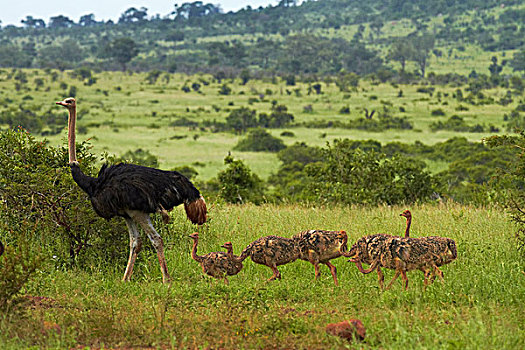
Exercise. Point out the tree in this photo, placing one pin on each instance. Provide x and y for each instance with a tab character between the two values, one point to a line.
518	61
423	45
87	20
245	76
121	50
31	22
60	22
12	56
402	51
194	9
61	56
133	15
494	67
241	119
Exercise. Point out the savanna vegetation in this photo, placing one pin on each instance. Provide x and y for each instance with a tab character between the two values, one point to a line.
330	114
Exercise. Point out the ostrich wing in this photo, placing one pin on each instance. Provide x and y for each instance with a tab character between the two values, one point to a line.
124	187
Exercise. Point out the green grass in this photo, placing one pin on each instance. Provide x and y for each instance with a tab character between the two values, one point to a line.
480	304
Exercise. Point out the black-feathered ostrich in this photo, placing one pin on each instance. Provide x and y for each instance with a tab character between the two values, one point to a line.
134	192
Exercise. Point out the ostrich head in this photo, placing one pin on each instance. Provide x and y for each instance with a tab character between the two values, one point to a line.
342	235
407	214
68	103
194	235
227	245
343	239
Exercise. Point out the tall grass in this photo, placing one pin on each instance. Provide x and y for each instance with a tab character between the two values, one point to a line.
480	304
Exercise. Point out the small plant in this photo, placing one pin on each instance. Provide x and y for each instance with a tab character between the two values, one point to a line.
17	265
225	90
344	110
438	112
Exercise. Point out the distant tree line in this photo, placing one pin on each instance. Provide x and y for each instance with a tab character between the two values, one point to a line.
282	40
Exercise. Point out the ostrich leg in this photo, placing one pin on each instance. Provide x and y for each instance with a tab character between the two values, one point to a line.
144	221
333	270
135	246
276	273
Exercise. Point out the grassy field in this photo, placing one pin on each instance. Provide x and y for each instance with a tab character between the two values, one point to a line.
122	112
480	304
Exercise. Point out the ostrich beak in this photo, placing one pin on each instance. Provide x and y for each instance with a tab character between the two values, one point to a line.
62	103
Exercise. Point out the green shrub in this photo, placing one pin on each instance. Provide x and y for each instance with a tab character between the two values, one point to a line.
241	119
37	190
259	140
456	123
18	264
352	176
141	157
238	184
437	112
225	90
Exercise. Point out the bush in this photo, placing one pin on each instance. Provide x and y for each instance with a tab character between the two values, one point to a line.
238	184
352	176
241	119
225	90
438	112
141	157
18	264
37	190
456	123
259	140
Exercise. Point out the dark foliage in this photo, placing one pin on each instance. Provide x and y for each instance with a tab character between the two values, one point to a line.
259	140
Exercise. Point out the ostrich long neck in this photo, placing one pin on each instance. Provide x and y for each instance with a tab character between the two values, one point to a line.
87	183
362	270
194	251
407	230
71	134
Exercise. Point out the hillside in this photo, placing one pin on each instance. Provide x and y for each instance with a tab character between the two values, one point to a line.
317	37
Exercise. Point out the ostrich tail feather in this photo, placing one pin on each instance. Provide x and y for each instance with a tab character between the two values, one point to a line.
196	211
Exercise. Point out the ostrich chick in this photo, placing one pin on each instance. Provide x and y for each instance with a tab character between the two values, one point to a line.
399	254
319	247
271	251
369	250
235	267
215	264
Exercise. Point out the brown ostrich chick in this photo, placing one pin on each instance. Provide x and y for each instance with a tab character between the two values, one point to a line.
236	266
440	251
402	255
319	247
369	250
215	264
271	251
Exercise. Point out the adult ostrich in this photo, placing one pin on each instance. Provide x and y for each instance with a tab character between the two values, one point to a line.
134	192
